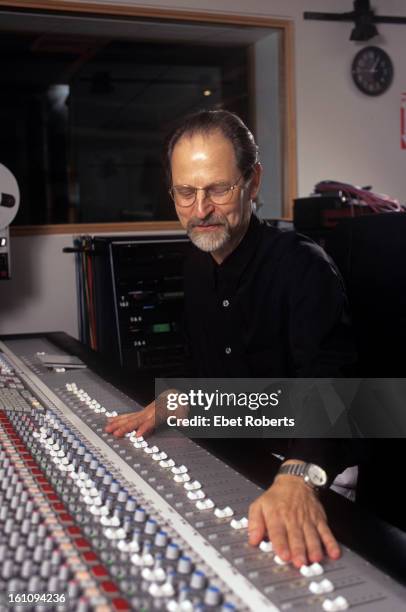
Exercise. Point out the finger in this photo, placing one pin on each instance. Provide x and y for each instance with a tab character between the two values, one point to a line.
126	426
277	534
118	424
119	432
313	543
297	545
117	421
256	524
112	423
145	428
329	541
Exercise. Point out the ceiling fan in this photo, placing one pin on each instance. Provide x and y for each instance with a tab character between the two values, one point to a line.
362	16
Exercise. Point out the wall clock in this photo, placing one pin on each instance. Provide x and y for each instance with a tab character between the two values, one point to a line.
372	71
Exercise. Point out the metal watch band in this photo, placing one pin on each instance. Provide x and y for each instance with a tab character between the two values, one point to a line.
303	470
295	469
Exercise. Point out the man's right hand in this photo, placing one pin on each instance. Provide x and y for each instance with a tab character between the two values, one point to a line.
142	422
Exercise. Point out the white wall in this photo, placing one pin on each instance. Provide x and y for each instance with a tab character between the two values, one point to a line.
342	134
41	296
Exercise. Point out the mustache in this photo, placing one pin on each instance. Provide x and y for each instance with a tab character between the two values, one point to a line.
213	219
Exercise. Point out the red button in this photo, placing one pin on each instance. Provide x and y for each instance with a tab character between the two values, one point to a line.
120	604
109	587
99	571
58	507
74	531
66	518
82	543
90	557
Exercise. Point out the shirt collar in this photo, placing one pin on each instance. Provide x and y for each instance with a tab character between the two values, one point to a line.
230	271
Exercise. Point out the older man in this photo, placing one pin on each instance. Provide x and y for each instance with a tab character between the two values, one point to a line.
258	303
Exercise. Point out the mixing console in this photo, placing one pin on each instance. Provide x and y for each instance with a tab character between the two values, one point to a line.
89	522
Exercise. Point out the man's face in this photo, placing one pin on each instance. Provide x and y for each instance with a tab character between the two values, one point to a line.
208	160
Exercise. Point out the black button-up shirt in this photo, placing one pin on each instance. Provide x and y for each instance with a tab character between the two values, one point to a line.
276	307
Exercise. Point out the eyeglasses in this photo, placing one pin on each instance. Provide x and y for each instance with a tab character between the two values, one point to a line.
218	193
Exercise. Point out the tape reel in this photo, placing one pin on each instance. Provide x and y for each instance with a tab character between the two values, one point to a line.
9	197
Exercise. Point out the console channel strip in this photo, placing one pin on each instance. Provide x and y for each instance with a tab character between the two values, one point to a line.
134	524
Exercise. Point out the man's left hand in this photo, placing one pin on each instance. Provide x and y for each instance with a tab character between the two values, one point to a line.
292	517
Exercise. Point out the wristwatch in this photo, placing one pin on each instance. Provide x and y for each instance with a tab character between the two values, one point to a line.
311	473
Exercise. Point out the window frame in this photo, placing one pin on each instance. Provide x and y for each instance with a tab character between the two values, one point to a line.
287	97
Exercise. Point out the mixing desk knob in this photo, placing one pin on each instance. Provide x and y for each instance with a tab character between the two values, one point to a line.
73	589
192	486
64	573
122	496
172	551
181	478
14	539
184	565
130	505
38	552
34	584
265	546
205	504
179	469
195	495
279	561
56	558
26	569
167	463
20	554
335	605
100	472
49	543
151	527
114	487
212	596
309	571
140	515
159	456
198	580
161	539
32	539
53	584
325	586
226	512
154	575
9	526
107	480
45	569
151	450
239	524
14	585
7	569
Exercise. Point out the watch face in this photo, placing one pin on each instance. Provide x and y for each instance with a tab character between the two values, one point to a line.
316	475
372	71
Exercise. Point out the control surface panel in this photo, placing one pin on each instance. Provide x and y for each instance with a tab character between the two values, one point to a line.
134	524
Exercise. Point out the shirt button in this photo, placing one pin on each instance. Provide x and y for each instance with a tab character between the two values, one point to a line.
226	303
228	350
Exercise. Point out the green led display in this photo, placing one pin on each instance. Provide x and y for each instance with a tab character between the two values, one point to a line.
159	328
